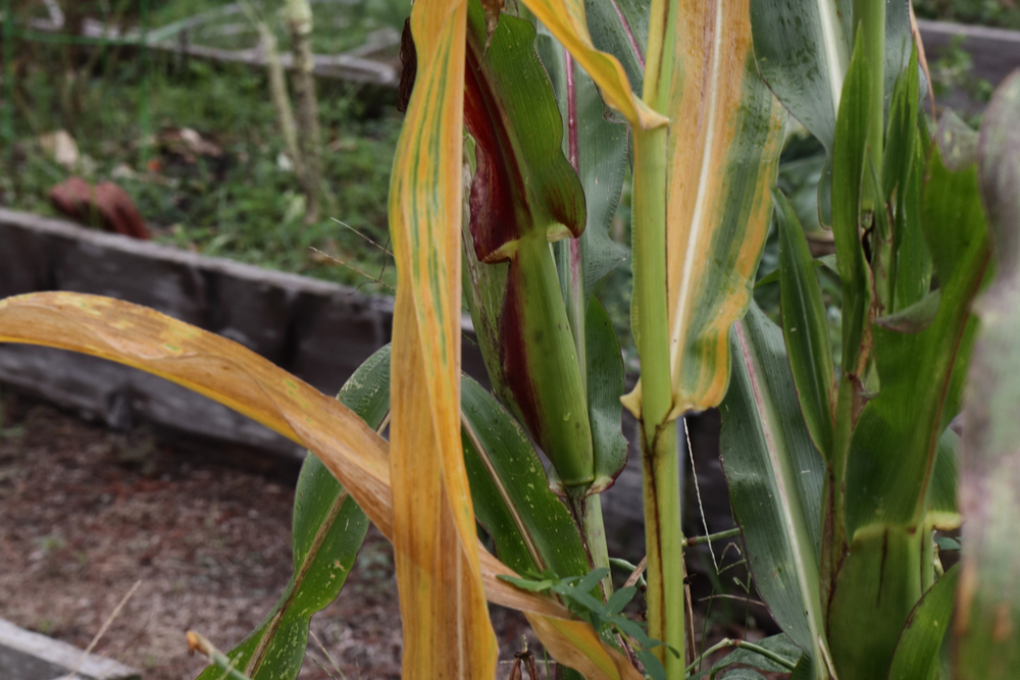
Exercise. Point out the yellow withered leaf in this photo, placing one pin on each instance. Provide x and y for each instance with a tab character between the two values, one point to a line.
232	375
723	155
447	633
566	20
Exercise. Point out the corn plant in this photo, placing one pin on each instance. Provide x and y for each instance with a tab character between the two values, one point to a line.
520	127
840	483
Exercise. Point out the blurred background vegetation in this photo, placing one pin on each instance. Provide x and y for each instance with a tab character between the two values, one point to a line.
196	144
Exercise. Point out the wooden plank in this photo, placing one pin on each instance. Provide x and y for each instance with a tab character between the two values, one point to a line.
30	656
317	330
995	51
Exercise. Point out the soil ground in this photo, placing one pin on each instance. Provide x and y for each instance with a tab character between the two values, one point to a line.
86	512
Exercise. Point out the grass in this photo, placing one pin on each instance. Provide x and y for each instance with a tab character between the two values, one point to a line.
999	13
243	204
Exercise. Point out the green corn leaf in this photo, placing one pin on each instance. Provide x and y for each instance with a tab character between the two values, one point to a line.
329	529
877	586
532	528
988	624
803	51
605	387
742	674
601	158
947	543
917	652
805	328
901	134
620	27
778	644
943	511
916	317
775	477
919	371
910	270
848	175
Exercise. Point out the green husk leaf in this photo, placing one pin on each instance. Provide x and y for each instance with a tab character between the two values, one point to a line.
943	512
523	193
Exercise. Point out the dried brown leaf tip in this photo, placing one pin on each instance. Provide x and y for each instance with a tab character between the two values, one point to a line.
492	9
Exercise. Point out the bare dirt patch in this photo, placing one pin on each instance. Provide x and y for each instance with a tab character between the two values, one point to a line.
87	512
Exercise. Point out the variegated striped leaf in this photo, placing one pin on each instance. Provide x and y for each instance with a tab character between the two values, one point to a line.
566	20
723	155
447	632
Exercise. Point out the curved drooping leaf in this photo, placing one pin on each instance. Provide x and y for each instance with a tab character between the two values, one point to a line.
988	615
236	377
917	369
916	317
917	652
803	52
329	529
722	159
805	328
532	528
434	535
566	20
775	478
